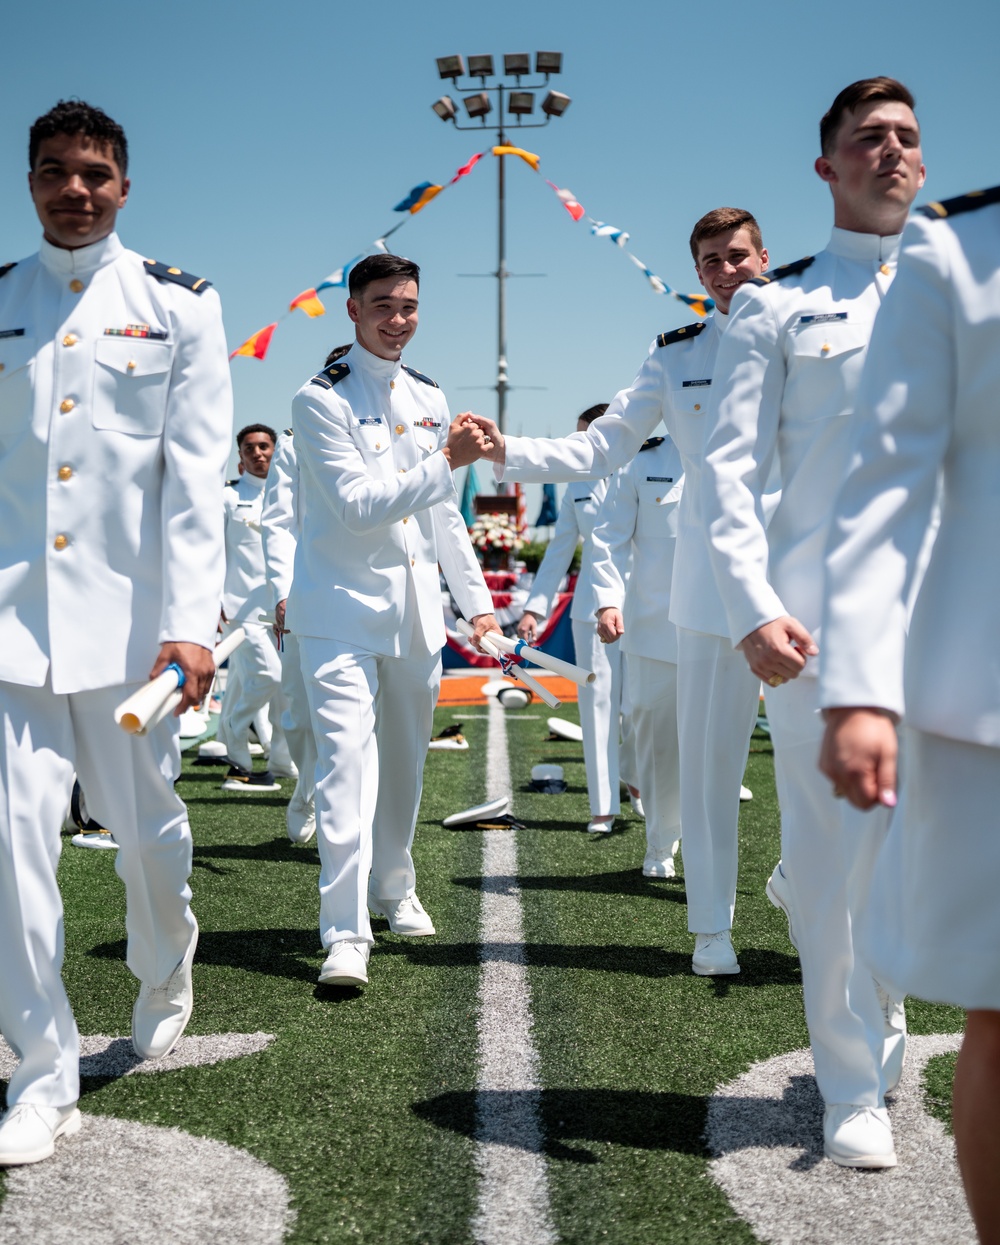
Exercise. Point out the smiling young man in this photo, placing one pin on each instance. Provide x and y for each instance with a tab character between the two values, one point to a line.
115	418
717	697
786	379
379	513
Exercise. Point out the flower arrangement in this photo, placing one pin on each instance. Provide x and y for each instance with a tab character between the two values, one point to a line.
496	533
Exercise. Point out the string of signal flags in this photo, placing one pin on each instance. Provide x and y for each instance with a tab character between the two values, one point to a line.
309	301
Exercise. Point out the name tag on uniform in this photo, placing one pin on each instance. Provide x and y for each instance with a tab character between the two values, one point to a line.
138	330
427	423
365	420
240	504
659	479
11	333
696	384
828	318
587	498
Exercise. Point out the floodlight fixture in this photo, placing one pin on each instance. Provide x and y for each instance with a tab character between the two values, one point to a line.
522	103
548	62
481	67
517	64
451	67
478	105
555	104
446	108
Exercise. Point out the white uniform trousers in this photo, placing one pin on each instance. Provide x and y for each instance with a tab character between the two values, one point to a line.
652	687
296	721
600	713
717	701
128	783
373	716
254	684
628	763
828	852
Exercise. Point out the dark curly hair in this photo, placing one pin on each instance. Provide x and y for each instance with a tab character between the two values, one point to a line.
73	116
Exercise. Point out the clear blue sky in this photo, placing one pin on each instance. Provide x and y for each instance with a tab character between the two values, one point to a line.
270	142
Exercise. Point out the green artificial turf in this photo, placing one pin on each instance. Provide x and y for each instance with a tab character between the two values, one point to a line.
365	1103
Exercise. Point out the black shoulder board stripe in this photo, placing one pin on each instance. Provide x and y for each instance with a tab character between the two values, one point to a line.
421	377
289	432
961	203
651	444
679	335
5	268
786	270
331	375
196	284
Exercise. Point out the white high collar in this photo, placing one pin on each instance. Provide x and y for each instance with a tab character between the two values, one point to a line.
84	259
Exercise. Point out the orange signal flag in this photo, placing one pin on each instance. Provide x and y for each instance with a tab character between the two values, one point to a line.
528	157
308	302
697	303
255	347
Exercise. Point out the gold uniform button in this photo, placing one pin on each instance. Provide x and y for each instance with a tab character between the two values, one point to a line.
60	541
406	520
413	561
70	339
76	285
174	272
825	348
66	405
402	471
697	406
392	384
378	445
400	429
885	270
65	473
131	365
659	499
2	365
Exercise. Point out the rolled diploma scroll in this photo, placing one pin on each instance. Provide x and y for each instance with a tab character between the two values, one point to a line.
518	648
493	649
151	703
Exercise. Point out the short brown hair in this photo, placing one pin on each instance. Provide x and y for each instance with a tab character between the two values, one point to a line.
591	413
721	220
375	267
850	99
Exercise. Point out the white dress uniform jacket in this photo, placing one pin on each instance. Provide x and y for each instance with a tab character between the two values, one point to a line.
245	594
929	399
578	513
366	573
639	518
115	411
791	357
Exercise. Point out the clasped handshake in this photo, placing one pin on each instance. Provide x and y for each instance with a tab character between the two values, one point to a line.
472	437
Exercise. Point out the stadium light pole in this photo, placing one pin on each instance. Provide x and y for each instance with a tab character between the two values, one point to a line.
520	100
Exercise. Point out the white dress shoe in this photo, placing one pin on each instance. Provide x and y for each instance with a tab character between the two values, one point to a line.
856	1136
714	955
894	1049
636	802
655	868
745	794
600	827
405	916
282	769
28	1133
212	749
779	893
161	1013
346	963
300	819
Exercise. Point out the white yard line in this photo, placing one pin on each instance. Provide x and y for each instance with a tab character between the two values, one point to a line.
513	1198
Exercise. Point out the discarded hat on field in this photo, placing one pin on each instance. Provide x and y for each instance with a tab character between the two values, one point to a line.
451	739
561	729
548	779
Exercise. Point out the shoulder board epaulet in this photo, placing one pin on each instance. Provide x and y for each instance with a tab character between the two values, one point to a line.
961	203
679	335
421	377
786	270
289	432
5	268
198	285
232	483
331	375
651	443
